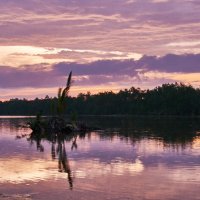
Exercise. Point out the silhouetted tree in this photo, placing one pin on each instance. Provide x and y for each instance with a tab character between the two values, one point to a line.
168	99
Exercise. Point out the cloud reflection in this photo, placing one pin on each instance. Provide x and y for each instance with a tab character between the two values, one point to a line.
94	168
19	170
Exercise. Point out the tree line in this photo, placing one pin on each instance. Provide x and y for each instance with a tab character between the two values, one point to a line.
168	99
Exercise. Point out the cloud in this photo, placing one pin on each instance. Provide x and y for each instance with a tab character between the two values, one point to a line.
29	55
142	26
103	67
42	75
27	76
103	72
187	63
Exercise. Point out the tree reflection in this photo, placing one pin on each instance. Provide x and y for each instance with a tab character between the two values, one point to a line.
58	150
63	162
53	151
173	133
74	144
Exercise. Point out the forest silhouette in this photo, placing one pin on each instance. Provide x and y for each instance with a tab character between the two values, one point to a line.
169	99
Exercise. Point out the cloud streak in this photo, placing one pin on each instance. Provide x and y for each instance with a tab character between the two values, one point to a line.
98	72
141	26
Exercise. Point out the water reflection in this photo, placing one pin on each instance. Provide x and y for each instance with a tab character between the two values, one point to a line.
63	162
58	150
19	170
150	143
151	155
176	133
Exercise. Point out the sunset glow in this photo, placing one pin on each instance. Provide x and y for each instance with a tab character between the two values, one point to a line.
115	44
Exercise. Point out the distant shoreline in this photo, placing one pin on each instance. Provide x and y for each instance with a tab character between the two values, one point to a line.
168	100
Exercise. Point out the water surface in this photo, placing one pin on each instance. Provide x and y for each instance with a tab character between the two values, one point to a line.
129	158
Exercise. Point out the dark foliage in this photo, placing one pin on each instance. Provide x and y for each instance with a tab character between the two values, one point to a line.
168	99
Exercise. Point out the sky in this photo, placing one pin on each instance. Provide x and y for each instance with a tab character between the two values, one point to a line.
108	45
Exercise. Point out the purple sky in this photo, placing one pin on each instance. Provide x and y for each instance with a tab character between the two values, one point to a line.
108	44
